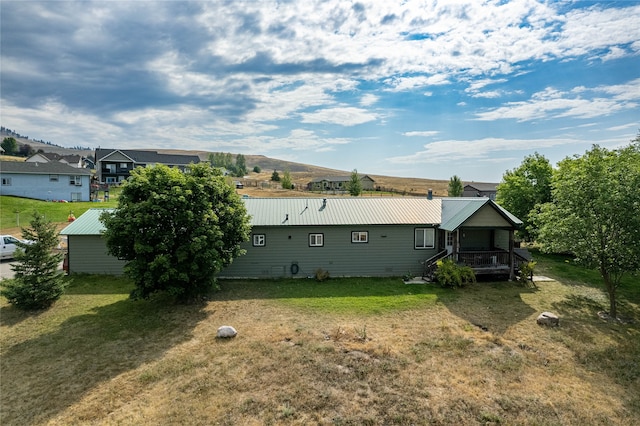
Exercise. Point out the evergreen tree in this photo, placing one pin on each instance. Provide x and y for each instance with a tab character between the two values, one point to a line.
455	187
275	177
37	283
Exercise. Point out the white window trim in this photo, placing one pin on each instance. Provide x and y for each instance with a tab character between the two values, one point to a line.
53	178
360	237
316	240
6	181
259	240
425	231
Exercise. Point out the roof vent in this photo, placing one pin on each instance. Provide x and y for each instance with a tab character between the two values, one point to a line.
430	194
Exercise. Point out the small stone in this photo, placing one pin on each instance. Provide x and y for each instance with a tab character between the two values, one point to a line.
226	331
548	319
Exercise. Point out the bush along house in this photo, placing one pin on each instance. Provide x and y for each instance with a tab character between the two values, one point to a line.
297	237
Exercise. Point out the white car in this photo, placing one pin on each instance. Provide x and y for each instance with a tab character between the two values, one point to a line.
8	246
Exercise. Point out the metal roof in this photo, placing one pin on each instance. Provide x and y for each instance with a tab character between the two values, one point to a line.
455	211
53	167
342	211
87	224
449	213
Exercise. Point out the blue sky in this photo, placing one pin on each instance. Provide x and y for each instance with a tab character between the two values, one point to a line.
412	88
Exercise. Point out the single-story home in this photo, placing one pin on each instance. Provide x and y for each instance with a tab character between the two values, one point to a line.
339	183
114	165
480	189
44	181
382	236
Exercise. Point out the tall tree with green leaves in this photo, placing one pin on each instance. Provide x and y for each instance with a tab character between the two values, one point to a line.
595	213
37	283
176	230
355	184
286	181
523	188
241	165
10	146
455	187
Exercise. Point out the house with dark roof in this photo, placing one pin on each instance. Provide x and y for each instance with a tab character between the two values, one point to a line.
381	236
339	183
480	189
73	160
114	165
52	181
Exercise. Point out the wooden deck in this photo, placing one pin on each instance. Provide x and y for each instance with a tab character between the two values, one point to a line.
495	262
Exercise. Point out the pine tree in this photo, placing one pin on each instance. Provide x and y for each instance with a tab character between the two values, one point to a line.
37	283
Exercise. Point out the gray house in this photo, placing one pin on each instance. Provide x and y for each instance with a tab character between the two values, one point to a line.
339	183
293	237
480	189
114	165
44	181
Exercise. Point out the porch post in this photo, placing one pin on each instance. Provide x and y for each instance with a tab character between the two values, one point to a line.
512	274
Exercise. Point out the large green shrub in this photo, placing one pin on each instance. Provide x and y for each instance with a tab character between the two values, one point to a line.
449	274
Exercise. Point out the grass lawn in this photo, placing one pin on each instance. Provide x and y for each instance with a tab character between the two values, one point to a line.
342	352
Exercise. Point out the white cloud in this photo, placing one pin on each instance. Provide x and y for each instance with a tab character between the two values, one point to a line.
368	100
580	102
425	134
345	116
475	149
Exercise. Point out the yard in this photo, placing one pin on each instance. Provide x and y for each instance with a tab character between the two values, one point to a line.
346	351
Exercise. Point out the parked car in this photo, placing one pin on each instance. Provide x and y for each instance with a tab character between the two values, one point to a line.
8	246
238	184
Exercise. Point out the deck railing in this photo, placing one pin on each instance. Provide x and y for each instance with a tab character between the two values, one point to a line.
484	259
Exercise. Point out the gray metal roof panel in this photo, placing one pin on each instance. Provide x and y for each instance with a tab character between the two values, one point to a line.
87	224
342	211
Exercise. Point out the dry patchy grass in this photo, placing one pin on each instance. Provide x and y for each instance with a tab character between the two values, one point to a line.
344	352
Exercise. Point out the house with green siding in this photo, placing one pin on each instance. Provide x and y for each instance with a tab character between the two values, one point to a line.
346	236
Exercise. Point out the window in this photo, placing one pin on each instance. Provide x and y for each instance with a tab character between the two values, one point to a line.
424	238
6	181
259	240
75	180
316	240
53	178
110	168
359	237
123	165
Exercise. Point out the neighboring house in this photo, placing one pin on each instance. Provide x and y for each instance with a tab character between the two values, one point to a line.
114	165
479	189
44	181
339	183
76	161
294	237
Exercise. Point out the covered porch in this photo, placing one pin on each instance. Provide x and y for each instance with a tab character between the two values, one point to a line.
479	235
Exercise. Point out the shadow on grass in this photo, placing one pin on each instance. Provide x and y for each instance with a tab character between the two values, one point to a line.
43	376
604	346
492	306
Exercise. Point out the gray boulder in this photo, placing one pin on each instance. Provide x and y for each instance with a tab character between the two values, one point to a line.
549	319
226	331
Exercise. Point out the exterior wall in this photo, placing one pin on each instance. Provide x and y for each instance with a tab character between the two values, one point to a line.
88	254
110	169
502	239
367	183
475	239
487	217
389	252
41	187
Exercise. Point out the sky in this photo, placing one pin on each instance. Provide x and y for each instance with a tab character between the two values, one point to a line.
426	89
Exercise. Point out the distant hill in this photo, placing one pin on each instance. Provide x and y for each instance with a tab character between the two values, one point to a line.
301	173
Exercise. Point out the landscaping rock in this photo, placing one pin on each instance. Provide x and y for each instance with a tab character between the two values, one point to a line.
226	331
548	319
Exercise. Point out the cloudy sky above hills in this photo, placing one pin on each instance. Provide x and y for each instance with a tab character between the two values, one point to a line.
412	88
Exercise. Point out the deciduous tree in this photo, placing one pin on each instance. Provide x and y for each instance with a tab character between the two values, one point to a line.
523	188
286	180
595	213
176	230
355	184
38	283
10	146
